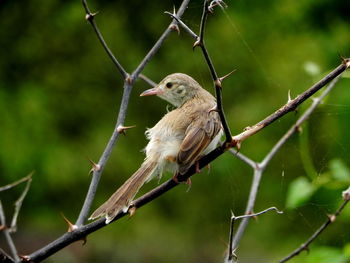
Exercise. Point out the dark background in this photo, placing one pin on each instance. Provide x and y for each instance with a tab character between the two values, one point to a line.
59	97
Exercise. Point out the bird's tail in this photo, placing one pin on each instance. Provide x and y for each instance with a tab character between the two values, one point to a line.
121	199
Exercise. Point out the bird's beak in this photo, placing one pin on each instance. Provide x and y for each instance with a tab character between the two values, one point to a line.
154	91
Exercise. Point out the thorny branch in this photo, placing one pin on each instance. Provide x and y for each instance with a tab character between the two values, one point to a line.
330	220
231	254
217	81
81	231
7	235
260	167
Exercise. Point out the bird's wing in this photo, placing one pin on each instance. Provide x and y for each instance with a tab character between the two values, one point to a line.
198	136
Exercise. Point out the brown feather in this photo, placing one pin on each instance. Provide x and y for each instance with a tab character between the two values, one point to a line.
198	136
122	198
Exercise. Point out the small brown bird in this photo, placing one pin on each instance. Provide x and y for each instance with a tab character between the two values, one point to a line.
176	142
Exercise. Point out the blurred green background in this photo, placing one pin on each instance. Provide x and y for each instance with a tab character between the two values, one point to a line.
59	97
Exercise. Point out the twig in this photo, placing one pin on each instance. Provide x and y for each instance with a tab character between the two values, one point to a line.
296	126
293	104
9	186
260	167
217	82
172	27
182	24
147	80
331	219
4	257
243	158
231	254
90	17
7	235
127	88
18	204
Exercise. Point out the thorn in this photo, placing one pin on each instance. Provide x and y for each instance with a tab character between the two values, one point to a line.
227	75
217	83
175	27
346	195
346	62
233	255
25	258
208	167
289	97
132	211
71	226
95	167
332	217
307	249
89	17
122	129
197	43
84	239
128	79
298	129
232	215
238	145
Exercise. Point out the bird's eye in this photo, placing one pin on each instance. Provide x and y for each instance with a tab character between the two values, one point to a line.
169	85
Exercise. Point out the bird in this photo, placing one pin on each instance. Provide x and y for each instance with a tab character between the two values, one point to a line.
176	142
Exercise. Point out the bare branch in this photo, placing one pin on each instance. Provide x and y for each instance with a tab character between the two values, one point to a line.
243	158
260	167
7	235
331	219
160	41
18	204
4	258
231	255
296	126
217	83
292	104
147	80
90	17
183	25
9	186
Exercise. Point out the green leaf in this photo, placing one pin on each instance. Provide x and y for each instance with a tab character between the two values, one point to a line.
300	190
339	170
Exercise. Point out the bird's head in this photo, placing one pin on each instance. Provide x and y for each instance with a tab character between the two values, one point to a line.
176	88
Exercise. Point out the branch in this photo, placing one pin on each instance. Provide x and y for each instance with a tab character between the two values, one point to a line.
231	254
331	219
18	204
260	167
293	104
217	81
7	235
90	17
9	186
